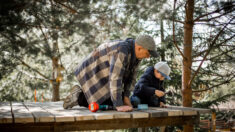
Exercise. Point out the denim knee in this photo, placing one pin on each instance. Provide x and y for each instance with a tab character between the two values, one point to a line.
135	101
154	101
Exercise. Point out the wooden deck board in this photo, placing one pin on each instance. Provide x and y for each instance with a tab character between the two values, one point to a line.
170	112
136	114
156	113
60	114
198	110
21	113
5	113
51	116
40	114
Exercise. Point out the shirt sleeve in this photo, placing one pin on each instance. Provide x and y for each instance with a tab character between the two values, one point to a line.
117	68
129	86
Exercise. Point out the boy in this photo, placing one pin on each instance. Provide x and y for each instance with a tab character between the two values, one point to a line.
149	89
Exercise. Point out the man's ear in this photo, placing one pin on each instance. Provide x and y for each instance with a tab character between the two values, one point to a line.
137	47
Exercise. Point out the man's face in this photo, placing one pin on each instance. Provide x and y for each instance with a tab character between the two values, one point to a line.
141	52
158	75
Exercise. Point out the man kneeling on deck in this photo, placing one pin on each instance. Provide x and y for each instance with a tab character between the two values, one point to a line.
107	75
149	89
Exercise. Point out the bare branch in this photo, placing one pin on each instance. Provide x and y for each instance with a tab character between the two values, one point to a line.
179	21
225	82
210	48
25	64
220	44
210	13
200	20
67	7
174	41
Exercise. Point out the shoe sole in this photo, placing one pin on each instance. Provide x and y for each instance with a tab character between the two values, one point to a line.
67	103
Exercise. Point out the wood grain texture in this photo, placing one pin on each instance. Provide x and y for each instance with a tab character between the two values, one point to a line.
21	113
51	116
40	114
5	113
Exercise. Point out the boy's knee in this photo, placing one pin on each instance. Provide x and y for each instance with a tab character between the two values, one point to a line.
154	101
135	101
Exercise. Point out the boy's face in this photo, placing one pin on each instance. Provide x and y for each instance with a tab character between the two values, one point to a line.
158	75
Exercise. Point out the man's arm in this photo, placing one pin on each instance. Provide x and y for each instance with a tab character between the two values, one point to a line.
117	68
127	101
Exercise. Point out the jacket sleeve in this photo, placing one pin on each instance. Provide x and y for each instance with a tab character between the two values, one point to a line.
144	89
162	99
117	68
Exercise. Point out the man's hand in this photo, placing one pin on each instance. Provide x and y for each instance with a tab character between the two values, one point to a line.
159	93
124	108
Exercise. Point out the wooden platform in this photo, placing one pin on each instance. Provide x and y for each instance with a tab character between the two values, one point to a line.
50	116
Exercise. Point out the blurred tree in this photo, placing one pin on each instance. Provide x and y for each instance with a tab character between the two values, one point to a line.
31	33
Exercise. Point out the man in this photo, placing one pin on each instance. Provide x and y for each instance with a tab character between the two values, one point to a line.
108	74
149	89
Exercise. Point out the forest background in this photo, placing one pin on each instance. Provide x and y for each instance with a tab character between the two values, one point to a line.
42	42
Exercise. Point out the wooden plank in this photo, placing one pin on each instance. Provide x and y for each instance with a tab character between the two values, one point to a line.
103	116
156	113
61	115
21	113
56	109
186	112
40	114
83	114
139	114
99	125
199	110
5	113
118	115
170	112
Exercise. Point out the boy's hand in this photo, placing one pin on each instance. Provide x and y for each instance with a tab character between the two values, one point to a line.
124	108
159	93
162	105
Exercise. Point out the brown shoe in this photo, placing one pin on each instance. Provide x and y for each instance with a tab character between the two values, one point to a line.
72	99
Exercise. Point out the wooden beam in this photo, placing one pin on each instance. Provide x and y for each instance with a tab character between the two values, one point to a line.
100	124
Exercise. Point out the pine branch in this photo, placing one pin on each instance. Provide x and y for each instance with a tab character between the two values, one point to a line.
207	20
220	44
225	82
216	102
25	64
31	76
210	48
73	11
210	13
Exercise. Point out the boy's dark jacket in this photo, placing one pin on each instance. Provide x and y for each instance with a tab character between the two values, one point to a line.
147	84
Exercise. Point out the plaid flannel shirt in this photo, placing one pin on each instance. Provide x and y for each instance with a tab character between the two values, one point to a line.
109	72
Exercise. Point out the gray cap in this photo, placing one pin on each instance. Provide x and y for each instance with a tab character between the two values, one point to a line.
164	69
148	43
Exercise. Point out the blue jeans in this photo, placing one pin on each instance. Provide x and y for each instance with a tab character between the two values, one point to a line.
135	101
152	101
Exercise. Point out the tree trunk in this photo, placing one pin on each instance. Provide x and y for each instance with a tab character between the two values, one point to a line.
187	61
56	91
56	75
